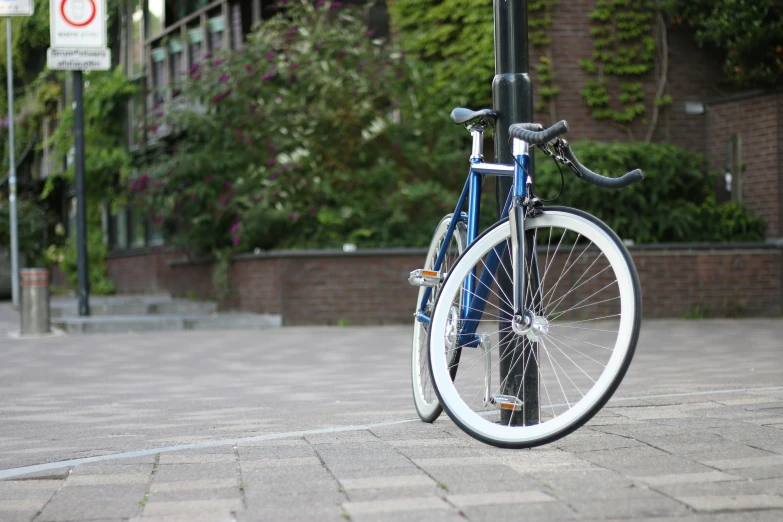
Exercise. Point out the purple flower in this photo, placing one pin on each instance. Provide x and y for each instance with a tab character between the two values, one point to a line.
237	240
270	57
160	114
342	51
220	96
237	132
194	69
294	79
293	66
287	167
272	149
209	178
192	197
319	3
293	30
218	61
249	68
292	216
400	74
208	56
228	185
370	32
224	78
271	162
223	201
249	140
274	176
235	228
267	76
335	5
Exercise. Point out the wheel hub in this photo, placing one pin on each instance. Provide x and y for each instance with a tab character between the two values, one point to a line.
532	326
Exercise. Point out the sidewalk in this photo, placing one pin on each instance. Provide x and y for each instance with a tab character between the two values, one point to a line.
318	424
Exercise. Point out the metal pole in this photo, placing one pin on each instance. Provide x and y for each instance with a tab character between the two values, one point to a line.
12	168
81	204
512	94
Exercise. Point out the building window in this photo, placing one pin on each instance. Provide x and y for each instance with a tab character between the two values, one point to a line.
196	39
159	75
236	25
216	27
120	229
175	62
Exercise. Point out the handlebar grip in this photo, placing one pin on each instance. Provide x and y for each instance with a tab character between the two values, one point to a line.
597	179
535	134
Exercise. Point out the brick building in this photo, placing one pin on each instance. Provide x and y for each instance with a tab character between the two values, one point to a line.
737	132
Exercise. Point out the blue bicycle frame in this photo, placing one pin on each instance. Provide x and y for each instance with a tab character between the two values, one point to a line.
477	288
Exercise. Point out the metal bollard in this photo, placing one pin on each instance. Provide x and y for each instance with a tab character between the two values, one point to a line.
35	301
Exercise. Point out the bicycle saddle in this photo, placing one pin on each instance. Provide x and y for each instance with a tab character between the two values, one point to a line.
461	115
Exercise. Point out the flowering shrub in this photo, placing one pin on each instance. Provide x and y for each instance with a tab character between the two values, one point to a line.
312	135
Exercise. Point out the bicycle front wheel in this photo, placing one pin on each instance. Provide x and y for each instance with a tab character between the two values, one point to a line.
525	385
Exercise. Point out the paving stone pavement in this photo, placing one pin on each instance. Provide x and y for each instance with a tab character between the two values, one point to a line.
317	424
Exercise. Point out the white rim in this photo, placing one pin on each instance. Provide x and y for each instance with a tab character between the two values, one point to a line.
428	408
516	434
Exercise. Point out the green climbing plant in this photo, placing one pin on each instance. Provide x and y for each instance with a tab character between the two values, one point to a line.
455	38
624	51
539	23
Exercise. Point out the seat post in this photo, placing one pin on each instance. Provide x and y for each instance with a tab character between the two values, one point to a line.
477	153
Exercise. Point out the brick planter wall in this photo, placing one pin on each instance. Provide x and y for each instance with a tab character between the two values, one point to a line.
370	286
143	271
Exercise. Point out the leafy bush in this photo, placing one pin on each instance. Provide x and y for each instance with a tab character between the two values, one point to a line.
32	224
312	135
674	203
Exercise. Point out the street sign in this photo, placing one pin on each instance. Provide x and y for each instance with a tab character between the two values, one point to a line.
78	59
77	24
16	7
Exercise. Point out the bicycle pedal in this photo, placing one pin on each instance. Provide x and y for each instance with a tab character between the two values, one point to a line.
507	402
421	277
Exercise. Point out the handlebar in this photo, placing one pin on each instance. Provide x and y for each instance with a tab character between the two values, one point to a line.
588	175
535	134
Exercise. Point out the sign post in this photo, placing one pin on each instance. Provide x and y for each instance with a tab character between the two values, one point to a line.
11	8
78	43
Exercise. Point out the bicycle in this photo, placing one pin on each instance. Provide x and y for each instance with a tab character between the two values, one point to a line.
564	341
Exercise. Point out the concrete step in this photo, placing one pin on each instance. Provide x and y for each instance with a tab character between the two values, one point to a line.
128	305
167	322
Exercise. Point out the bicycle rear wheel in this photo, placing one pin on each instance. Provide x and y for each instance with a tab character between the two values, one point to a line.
424	397
562	369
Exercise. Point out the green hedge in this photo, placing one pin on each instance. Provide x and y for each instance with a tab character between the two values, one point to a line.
674	203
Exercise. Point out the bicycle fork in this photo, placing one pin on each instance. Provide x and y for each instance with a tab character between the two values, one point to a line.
516	219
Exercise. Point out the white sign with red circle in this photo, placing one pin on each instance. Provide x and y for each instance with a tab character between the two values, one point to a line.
78	24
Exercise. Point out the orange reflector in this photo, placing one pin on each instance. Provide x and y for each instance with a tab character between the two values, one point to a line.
506	406
429	273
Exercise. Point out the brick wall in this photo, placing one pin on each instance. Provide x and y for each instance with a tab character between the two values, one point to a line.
370	287
144	271
694	75
756	120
